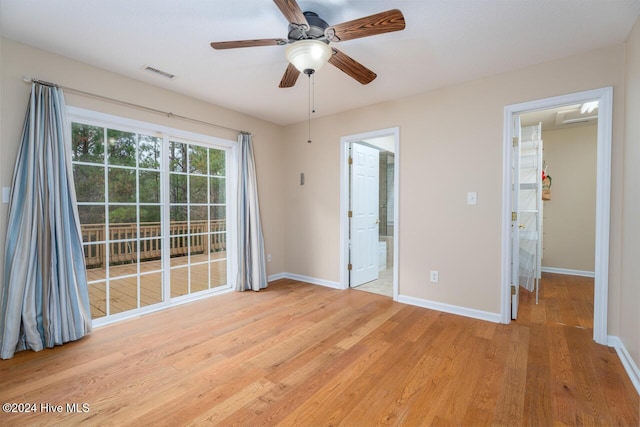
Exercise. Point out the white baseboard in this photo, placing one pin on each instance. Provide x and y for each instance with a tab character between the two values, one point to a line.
307	279
452	309
568	271
276	276
629	364
461	311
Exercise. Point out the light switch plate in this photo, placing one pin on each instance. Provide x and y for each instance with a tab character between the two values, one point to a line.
472	198
6	193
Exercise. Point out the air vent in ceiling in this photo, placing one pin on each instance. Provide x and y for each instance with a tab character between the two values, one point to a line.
159	72
574	115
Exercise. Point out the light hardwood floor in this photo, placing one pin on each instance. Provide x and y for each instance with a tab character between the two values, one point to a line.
303	355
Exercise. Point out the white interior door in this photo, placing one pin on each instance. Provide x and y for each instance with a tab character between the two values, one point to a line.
515	222
365	171
530	206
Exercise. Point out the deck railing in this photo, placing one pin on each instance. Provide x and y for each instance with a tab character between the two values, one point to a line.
185	237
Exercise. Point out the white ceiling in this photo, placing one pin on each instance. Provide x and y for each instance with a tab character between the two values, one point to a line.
567	116
445	42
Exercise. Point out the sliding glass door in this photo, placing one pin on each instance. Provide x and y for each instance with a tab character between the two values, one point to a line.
141	252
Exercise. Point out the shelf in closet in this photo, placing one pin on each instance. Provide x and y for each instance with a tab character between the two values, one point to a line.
528	185
529	235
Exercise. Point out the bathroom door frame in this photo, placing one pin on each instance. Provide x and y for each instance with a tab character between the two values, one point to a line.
344	201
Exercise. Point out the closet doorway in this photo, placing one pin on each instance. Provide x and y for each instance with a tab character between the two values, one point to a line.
569	142
369	212
564	111
557	214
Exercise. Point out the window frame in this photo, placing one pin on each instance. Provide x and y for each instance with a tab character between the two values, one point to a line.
167	134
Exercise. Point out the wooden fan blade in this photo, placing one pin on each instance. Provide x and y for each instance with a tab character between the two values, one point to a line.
383	22
248	43
292	12
351	67
290	76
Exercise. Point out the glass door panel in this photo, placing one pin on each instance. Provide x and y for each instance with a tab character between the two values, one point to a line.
197	212
117	176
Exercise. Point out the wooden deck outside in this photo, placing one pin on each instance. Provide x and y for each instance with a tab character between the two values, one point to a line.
123	286
185	237
124	246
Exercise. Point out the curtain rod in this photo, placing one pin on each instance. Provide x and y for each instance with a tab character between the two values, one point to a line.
132	105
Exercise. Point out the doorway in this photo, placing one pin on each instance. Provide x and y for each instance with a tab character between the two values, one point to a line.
604	97
369	211
568	137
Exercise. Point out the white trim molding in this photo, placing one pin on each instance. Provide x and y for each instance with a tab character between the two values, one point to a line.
276	276
451	309
306	279
119	317
604	96
627	361
432	305
568	271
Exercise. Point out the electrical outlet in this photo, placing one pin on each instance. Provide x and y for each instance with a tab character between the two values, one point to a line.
434	276
268	257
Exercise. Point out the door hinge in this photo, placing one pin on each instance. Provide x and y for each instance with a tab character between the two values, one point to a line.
513	290
350	214
349	267
515	141
514	216
350	160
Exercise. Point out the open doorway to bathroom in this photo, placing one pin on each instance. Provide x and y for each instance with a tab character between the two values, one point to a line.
369	205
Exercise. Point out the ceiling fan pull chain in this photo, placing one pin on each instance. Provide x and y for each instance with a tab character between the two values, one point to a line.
309	111
313	93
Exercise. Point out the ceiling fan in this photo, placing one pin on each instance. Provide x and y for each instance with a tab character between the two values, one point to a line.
308	28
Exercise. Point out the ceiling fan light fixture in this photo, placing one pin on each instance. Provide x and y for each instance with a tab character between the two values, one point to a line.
308	56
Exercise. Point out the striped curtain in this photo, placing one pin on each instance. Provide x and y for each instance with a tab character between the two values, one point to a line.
44	289
252	270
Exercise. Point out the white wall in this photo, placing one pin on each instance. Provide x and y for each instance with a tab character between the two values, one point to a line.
450	143
569	228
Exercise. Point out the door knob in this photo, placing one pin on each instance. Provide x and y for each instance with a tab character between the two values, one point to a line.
377	221
521	226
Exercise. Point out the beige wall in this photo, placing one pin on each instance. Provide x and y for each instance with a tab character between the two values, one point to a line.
630	280
569	226
18	60
450	143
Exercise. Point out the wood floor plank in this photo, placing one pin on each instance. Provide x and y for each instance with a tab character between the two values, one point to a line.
301	355
432	402
387	376
341	389
270	408
511	396
610	382
537	408
481	409
563	403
